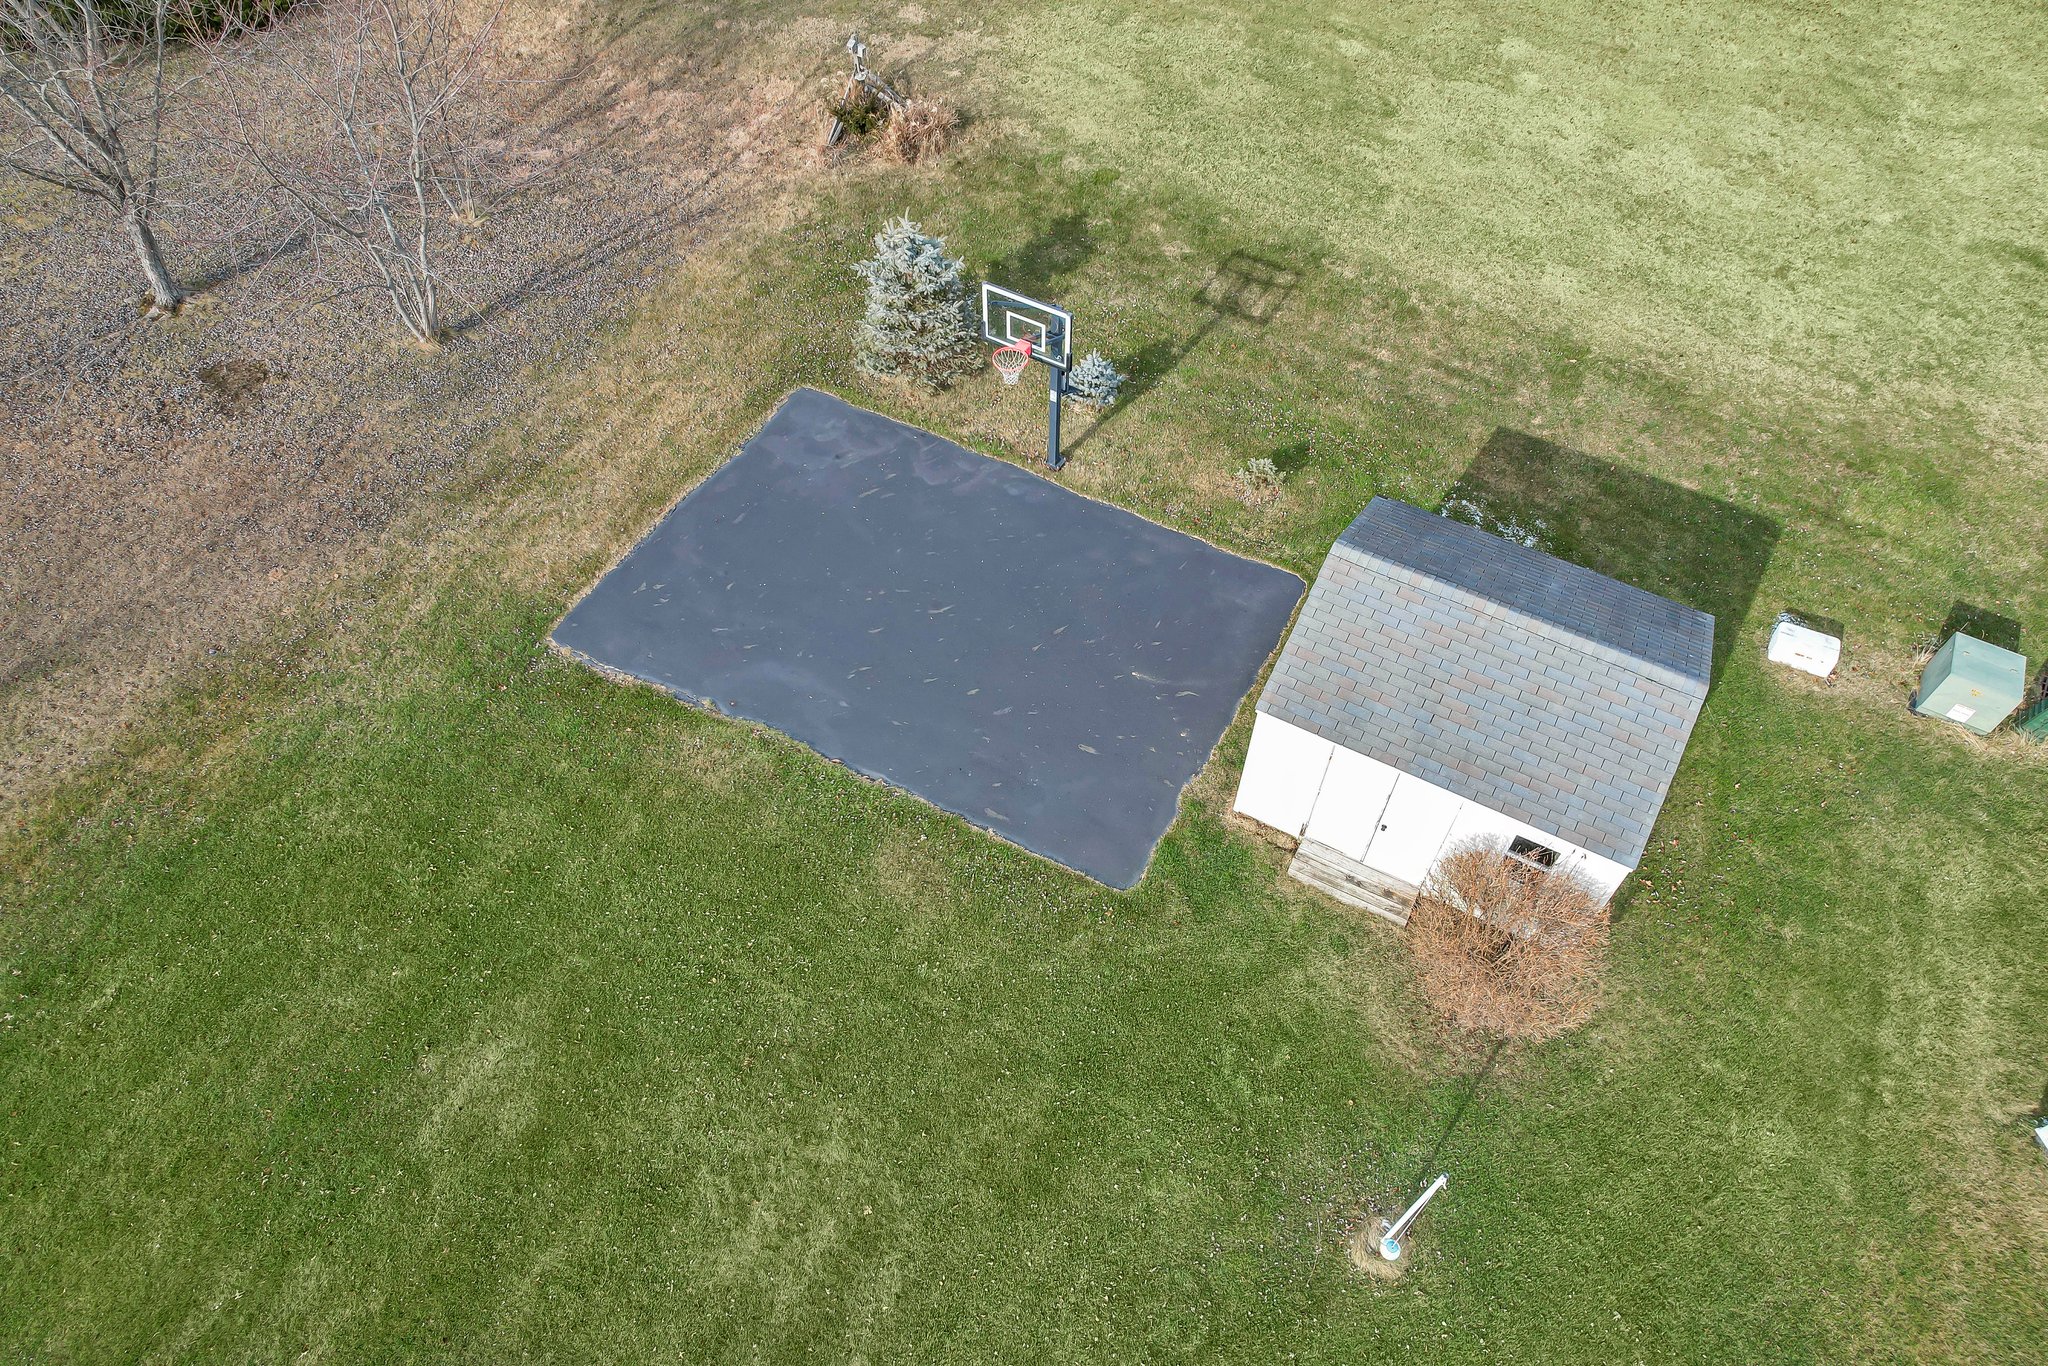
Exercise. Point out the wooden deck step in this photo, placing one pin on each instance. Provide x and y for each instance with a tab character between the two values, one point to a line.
1351	882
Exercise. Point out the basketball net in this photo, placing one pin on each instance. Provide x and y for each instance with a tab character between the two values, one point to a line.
1010	360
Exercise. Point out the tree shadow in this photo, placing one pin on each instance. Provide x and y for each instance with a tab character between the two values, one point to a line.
1325	440
1478	1078
1993	628
1245	287
648	228
1294	456
573	101
1645	531
246	261
1049	259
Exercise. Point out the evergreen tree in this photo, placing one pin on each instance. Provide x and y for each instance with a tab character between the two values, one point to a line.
1094	381
917	317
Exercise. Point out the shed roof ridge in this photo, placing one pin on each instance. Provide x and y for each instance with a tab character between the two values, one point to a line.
1544	626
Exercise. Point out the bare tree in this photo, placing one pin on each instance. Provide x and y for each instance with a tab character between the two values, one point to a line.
90	84
374	133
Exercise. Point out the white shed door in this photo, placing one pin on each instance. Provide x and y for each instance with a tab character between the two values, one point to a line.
1282	771
1412	829
1355	792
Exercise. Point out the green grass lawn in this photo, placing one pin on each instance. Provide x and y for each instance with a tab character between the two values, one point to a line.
1848	199
415	994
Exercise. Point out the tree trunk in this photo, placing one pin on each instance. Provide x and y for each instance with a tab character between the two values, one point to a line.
164	296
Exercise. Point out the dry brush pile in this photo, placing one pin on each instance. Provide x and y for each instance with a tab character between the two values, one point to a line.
1507	948
869	108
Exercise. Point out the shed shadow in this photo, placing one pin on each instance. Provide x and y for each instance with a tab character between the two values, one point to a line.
1670	540
1993	628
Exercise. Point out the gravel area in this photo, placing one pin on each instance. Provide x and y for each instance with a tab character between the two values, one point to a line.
173	487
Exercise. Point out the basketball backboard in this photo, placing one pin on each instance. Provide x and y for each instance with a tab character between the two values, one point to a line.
1008	317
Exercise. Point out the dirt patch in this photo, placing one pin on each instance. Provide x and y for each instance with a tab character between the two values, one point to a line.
1362	1247
235	384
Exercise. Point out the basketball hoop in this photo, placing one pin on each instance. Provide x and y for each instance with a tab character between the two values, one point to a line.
1023	329
1011	360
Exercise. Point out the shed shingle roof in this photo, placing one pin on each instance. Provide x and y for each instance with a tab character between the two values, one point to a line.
1537	688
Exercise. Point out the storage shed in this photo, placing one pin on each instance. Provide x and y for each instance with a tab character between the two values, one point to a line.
1443	685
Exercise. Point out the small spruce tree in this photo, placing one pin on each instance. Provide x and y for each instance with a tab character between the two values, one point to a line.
916	324
1094	381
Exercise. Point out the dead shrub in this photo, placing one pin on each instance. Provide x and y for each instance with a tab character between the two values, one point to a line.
919	129
1506	948
1258	483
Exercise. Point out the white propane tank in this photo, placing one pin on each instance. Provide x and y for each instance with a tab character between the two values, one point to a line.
1799	646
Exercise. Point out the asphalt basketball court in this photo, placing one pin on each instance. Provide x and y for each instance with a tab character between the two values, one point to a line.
1048	667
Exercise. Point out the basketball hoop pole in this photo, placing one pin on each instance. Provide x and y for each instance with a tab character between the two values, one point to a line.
1058	385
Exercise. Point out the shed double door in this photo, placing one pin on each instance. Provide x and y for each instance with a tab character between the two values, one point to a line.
1349	804
1387	820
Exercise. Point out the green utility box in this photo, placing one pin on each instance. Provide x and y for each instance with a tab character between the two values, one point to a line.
2033	722
1972	683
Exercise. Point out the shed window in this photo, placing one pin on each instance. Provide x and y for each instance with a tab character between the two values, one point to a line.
1529	851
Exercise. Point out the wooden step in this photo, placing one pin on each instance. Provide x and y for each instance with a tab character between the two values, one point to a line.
1351	882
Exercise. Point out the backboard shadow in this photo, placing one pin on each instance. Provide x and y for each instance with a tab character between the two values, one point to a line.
1244	287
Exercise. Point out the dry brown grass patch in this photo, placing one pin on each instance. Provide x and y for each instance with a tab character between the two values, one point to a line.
224	463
